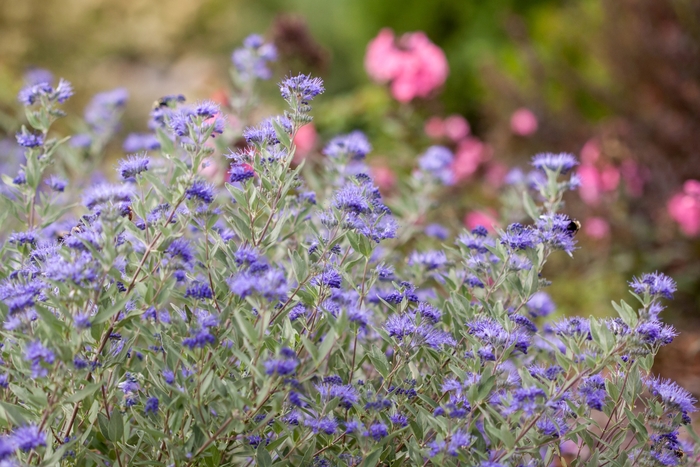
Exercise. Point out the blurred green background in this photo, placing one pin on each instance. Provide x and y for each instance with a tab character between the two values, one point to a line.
625	73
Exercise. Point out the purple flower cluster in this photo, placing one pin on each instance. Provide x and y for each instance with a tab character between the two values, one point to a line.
353	146
561	163
437	162
34	93
285	365
251	60
655	284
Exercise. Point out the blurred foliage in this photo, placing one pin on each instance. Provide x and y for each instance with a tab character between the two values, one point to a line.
625	73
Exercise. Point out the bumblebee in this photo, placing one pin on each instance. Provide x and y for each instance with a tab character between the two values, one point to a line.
130	213
573	227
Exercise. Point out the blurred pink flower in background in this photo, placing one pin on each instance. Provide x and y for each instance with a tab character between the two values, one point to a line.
496	174
590	152
456	127
595	182
211	170
596	228
384	177
523	122
434	128
413	64
634	177
305	141
684	208
476	218
469	154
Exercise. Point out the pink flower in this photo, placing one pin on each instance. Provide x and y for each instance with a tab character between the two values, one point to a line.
469	154
476	218
596	228
609	178
590	152
414	66
210	170
384	177
523	122
434	128
456	127
684	208
590	188
305	141
634	177
496	174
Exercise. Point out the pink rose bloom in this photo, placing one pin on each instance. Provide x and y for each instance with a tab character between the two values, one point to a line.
304	140
384	177
596	228
590	188
456	127
414	66
468	156
590	152
684	208
523	122
476	218
434	128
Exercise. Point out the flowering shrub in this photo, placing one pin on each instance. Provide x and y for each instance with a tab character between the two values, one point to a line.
263	322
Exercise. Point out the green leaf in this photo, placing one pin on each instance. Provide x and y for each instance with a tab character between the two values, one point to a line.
263	457
83	393
530	206
115	430
373	458
282	134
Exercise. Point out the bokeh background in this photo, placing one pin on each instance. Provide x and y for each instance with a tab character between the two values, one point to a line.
616	82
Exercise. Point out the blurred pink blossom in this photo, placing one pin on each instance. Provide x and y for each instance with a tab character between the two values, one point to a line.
609	178
434	128
456	127
523	122
684	208
469	154
413	64
476	218
590	152
496	174
305	141
596	227
384	177
590	188
634	177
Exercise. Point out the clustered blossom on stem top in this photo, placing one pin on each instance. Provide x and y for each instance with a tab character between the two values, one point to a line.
251	60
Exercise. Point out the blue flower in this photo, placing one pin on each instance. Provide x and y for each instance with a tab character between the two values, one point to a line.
433	259
654	332
135	142
105	193
329	277
132	166
540	304
377	431
168	376
347	394
593	389
399	419
265	132
32	93
82	321
552	426
553	230
300	89
38	355
199	291
353	146
284	366
56	183
655	283
400	326
35	75
240	172
27	139
429	312
561	163
327	425
251	60
28	437
572	327
437	231
202	191
437	161
7	448
672	395
103	112
181	249
151	406
519	237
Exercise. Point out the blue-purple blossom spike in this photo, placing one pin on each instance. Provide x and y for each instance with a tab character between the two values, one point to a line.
655	283
132	166
561	163
300	89
354	146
